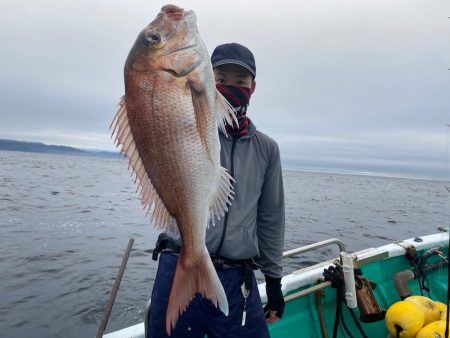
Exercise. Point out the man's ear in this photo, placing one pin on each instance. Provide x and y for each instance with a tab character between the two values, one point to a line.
253	87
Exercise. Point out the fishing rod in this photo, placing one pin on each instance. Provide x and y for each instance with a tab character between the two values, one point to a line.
448	268
115	288
447	160
447	145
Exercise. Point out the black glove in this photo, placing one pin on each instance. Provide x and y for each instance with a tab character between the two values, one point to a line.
275	299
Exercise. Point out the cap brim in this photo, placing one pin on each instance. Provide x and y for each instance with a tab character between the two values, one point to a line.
234	62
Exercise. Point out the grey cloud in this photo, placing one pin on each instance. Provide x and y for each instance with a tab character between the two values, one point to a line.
371	76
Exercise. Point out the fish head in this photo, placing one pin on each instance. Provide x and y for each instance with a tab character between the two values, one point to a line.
171	43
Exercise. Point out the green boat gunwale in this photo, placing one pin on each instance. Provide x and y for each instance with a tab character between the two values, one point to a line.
300	281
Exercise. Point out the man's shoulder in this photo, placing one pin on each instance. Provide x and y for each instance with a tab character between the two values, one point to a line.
266	139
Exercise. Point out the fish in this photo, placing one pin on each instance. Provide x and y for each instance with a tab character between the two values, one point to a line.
167	127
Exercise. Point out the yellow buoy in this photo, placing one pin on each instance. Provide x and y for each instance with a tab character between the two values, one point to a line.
429	308
442	309
435	329
405	317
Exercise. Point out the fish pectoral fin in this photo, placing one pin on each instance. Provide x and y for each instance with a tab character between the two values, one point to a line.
189	279
203	114
223	198
156	211
225	112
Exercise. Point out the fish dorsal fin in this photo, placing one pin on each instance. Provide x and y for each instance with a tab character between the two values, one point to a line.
225	112
152	204
224	197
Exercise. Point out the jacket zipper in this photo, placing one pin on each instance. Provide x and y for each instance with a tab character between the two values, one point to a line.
225	221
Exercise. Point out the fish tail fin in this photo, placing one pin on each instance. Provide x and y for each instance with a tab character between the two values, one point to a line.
189	279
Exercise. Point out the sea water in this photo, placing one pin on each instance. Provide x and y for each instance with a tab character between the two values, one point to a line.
65	222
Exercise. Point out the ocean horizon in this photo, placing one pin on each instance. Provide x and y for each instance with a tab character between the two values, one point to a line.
39	147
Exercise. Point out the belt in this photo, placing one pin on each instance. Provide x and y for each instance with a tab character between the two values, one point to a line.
164	243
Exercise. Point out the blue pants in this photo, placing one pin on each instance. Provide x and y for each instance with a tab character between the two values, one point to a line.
202	318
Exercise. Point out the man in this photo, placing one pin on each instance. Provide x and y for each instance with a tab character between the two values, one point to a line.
252	230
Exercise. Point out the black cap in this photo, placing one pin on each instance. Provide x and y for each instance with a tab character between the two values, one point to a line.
234	53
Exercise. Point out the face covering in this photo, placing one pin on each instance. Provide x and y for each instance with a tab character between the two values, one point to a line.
238	98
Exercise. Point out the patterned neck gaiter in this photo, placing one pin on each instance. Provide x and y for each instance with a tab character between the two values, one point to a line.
238	98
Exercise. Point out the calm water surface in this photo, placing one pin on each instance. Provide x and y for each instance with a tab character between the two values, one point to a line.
65	222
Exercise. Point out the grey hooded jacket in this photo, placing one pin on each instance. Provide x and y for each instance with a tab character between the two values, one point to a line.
254	223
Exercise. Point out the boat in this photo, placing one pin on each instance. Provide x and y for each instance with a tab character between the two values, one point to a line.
312	303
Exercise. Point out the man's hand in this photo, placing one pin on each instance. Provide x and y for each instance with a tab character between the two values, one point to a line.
274	308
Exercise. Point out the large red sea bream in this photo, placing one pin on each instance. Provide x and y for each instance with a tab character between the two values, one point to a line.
167	126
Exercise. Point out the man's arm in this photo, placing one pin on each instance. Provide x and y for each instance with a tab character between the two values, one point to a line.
271	224
270	219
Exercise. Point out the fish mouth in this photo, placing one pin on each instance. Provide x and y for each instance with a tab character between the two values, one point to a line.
180	49
175	12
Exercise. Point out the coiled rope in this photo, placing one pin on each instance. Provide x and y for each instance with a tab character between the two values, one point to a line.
335	276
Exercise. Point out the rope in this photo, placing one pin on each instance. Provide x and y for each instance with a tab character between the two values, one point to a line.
333	274
358	324
425	285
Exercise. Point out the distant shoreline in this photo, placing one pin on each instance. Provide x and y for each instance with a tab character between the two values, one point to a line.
38	147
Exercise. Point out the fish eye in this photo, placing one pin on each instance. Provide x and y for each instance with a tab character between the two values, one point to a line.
153	38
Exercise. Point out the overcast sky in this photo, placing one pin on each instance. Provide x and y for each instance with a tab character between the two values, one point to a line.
342	85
